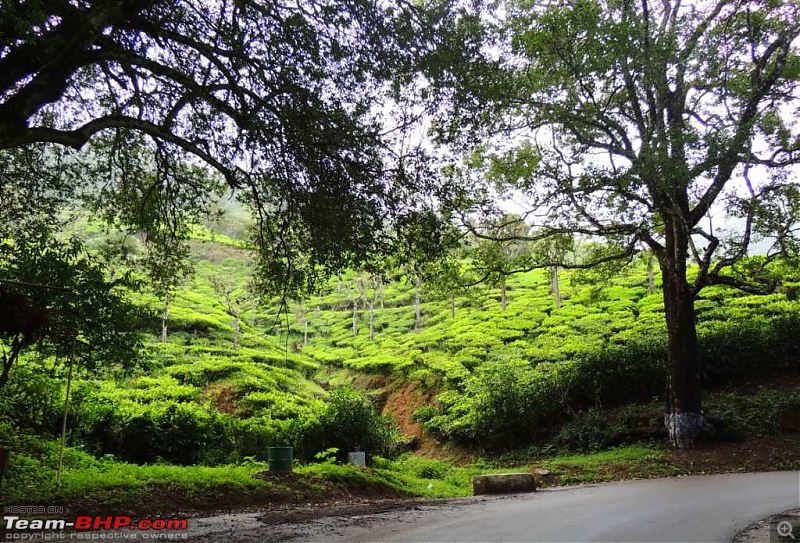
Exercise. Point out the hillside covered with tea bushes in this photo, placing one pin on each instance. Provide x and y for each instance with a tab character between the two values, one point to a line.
493	377
504	375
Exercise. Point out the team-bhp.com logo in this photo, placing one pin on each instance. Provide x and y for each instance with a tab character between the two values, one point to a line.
21	529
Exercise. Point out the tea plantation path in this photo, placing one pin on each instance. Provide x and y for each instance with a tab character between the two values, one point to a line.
687	509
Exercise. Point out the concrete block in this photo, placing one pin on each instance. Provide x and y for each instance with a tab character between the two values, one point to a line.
357	459
503	483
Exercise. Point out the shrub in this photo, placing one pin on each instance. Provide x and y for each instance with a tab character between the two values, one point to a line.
763	413
427	469
179	433
349	422
33	399
742	348
504	404
423	414
587	432
507	403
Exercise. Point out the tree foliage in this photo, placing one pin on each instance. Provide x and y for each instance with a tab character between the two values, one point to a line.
56	297
280	99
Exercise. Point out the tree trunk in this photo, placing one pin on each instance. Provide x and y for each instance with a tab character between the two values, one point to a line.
305	334
503	297
418	312
372	319
165	318
651	281
453	307
554	286
355	318
9	359
684	417
236	332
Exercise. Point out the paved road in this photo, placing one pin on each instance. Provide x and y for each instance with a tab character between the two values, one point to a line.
684	509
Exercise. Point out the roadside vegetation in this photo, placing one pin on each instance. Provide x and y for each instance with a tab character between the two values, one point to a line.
178	182
571	390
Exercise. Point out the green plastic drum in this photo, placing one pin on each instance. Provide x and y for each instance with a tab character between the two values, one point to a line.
280	459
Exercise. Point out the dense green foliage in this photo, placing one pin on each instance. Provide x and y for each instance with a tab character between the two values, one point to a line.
196	399
526	101
507	375
601	121
349	423
501	378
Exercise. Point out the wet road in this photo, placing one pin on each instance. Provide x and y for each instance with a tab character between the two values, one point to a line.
683	509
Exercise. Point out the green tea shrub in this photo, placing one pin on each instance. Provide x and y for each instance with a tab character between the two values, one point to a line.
275	403
423	414
25	479
33	399
587	432
349	422
503	403
31	472
427	469
743	348
188	321
180	433
507	403
763	413
204	371
618	374
252	437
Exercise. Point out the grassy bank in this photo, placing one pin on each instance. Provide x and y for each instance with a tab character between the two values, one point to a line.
109	487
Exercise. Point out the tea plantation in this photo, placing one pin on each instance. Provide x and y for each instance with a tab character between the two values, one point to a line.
310	374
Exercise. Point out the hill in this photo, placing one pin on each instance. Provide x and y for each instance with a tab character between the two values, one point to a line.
455	372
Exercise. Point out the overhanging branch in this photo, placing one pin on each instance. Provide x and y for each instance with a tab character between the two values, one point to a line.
78	137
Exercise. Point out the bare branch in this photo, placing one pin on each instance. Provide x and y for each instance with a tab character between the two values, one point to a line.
764	84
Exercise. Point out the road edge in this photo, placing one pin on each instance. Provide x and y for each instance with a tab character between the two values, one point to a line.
758	531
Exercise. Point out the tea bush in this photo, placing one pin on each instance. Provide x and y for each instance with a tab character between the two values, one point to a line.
349	422
507	402
587	432
179	433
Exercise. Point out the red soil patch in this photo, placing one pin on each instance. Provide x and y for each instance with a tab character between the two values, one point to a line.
402	399
401	404
222	396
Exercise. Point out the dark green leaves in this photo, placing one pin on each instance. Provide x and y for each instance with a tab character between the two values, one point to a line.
63	284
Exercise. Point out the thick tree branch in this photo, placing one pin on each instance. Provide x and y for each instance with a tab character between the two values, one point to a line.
744	286
78	137
764	84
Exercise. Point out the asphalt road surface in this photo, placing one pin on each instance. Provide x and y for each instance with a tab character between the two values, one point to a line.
683	509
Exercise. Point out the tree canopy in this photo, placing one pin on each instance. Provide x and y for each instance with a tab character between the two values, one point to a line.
282	100
147	110
55	297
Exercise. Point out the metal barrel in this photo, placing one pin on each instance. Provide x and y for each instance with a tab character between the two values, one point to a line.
280	459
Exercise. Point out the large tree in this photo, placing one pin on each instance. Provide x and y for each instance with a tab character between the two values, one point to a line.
634	123
279	98
57	299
